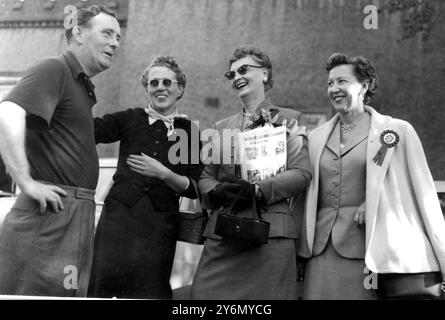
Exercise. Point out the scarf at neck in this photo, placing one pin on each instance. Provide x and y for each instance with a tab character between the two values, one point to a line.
169	120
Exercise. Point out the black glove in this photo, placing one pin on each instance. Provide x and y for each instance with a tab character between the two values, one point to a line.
247	187
224	193
245	200
247	190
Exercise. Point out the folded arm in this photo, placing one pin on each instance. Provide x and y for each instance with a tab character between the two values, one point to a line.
152	168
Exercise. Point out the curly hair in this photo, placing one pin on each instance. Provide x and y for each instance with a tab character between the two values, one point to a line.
170	63
85	15
364	71
259	56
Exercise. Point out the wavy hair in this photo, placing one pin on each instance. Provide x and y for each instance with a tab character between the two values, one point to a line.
259	56
364	71
170	63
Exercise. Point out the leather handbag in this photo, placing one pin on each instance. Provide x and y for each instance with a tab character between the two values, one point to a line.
193	221
229	225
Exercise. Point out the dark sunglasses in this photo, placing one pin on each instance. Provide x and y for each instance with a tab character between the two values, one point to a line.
241	70
167	83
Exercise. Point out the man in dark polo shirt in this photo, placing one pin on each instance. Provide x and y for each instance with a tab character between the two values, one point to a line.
47	143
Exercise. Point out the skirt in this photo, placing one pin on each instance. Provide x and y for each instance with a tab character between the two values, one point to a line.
134	251
231	269
330	276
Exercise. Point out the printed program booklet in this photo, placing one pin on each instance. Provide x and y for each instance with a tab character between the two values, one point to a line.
262	152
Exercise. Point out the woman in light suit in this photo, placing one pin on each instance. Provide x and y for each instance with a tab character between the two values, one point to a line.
372	203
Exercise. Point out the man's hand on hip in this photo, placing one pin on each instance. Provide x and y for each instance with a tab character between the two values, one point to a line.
45	194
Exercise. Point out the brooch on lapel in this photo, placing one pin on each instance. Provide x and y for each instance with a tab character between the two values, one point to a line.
263	117
388	139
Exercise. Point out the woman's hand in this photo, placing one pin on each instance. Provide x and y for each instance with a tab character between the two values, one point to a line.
224	193
360	215
147	166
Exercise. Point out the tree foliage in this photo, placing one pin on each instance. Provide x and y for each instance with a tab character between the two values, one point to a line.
417	16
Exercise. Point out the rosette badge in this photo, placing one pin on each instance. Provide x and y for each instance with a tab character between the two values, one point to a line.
388	139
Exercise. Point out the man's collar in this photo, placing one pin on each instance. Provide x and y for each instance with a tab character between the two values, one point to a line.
73	64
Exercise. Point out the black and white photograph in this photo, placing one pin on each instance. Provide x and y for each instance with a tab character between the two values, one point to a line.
100	98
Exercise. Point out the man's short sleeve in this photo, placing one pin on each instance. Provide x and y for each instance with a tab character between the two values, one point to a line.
39	92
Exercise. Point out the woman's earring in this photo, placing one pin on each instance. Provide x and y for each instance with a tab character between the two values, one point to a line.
265	79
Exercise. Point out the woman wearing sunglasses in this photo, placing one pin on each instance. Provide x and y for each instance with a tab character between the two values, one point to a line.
237	269
137	231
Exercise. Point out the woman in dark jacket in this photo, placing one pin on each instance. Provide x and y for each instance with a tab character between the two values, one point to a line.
136	234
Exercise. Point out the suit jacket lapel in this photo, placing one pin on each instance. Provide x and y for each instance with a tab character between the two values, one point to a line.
356	138
375	173
319	143
316	147
333	140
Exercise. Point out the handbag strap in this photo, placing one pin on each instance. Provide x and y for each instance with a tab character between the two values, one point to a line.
234	202
204	211
256	211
